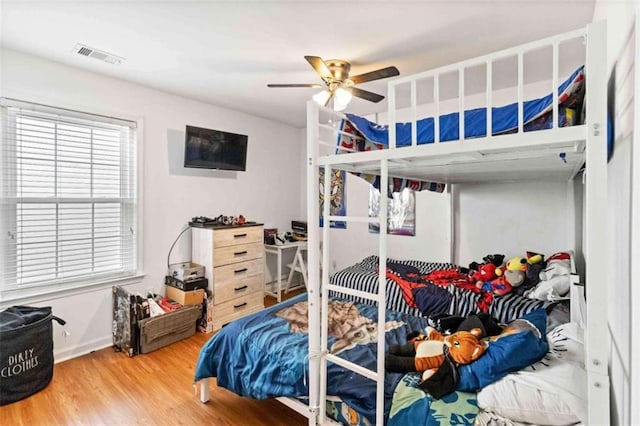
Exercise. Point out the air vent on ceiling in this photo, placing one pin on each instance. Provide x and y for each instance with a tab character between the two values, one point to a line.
90	52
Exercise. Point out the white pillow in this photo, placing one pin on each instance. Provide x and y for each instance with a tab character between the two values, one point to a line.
549	392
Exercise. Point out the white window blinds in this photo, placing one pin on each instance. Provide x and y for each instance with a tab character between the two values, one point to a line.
68	197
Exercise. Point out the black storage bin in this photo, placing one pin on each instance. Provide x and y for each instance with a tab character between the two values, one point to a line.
26	355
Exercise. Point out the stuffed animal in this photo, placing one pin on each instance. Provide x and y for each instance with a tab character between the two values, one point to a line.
480	272
516	264
512	275
485	272
500	285
494	259
557	264
427	353
555	281
535	264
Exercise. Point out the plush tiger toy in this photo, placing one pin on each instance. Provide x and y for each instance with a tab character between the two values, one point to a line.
425	354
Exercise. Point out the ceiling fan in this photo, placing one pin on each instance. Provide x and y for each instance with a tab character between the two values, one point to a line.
339	85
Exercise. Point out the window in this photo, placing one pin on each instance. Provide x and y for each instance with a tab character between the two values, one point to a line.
68	198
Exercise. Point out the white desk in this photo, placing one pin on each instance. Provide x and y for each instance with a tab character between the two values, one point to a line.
277	250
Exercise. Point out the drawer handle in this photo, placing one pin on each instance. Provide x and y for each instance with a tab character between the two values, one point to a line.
239	235
244	287
240	305
237	271
240	253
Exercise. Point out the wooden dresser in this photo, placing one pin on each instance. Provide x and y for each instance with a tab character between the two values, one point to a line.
233	258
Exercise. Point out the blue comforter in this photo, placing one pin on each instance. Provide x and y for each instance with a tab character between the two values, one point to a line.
260	357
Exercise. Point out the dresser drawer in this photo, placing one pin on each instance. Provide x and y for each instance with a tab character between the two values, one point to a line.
238	287
234	236
237	272
236	308
238	253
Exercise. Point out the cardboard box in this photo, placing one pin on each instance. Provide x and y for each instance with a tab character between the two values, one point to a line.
186	298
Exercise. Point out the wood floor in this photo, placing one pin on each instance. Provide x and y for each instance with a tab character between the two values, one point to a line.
109	388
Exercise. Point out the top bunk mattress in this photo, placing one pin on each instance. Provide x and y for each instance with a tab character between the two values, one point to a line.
537	116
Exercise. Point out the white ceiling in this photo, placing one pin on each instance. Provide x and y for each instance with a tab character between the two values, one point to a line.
225	52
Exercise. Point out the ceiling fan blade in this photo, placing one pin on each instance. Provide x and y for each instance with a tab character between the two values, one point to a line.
375	75
296	85
321	68
364	94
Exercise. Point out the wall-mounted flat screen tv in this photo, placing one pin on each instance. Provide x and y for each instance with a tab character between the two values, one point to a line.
215	149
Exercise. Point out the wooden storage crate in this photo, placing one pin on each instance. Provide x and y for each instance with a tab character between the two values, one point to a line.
168	328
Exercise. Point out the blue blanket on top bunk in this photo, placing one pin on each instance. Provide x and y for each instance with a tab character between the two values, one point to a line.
265	354
504	119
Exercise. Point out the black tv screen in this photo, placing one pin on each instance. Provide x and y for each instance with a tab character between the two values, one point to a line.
215	149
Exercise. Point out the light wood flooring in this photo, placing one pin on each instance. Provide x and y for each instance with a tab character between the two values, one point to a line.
109	388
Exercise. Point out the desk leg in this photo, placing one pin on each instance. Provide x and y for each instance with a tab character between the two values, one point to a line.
279	277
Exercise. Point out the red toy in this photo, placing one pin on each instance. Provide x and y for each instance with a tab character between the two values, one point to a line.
485	272
499	286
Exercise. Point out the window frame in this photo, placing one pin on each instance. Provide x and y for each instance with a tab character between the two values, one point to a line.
43	291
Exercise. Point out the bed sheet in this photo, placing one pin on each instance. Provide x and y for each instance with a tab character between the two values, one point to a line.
410	404
431	299
259	356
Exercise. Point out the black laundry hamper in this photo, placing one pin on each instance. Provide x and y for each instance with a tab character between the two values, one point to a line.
26	351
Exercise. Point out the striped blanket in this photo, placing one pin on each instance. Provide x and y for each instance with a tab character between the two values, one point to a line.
431	299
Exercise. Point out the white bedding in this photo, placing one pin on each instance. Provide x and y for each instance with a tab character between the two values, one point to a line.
551	391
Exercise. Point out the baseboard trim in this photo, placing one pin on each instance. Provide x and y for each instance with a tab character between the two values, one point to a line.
88	347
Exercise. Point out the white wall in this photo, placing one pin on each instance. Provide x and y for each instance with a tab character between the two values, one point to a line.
506	218
269	191
511	218
622	53
431	242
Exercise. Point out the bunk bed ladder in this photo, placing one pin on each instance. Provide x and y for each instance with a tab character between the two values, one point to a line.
379	298
319	289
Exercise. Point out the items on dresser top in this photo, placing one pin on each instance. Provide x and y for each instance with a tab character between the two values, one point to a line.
233	258
222	220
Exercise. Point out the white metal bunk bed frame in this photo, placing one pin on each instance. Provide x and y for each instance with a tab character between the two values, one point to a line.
586	142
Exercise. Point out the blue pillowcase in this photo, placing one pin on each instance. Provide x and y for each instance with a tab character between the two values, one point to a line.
507	354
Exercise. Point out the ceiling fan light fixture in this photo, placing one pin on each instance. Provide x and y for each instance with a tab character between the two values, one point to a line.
321	97
341	99
339	85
